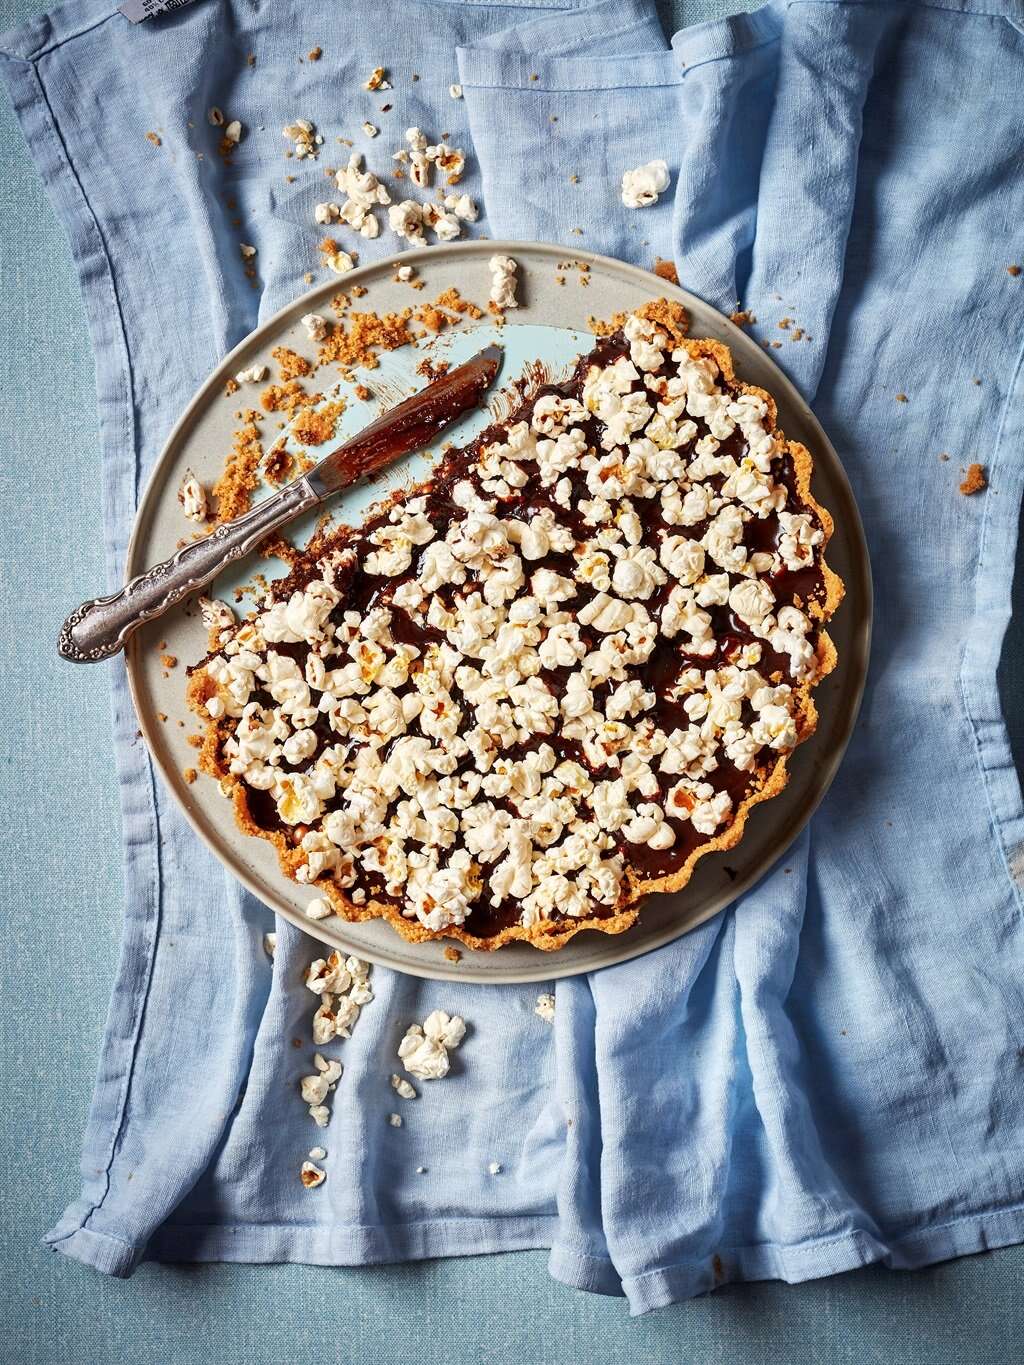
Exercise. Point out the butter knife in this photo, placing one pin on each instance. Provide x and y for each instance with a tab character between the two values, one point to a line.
99	628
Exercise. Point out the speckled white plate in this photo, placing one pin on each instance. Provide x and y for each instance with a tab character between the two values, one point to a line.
550	325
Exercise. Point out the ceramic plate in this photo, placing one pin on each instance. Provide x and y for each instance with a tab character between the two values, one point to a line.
550	326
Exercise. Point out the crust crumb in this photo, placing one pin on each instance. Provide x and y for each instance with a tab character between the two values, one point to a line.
366	334
241	474
314	427
1013	270
453	955
190	775
666	270
975	480
742	317
290	364
287	398
668	314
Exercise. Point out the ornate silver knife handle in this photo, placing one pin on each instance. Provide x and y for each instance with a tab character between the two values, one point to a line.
98	629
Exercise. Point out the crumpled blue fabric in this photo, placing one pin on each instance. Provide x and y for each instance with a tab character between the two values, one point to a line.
828	1074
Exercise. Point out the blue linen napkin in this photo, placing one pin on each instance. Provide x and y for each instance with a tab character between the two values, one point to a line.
829	1073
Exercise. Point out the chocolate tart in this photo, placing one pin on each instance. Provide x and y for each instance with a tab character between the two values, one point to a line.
541	685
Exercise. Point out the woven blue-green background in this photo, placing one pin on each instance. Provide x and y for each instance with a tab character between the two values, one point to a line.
60	882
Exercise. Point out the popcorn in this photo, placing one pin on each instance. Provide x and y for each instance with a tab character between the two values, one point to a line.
192	497
402	1087
424	1049
255	374
503	282
406	220
363	193
317	327
455	91
376	80
395	1120
311	1175
337	260
642	185
304	137
545	1008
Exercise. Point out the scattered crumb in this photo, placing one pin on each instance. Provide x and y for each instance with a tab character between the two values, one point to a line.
545	1008
666	270
366	334
1013	270
975	480
314	54
240	475
743	317
944	457
157	142
190	775
453	954
496	1168
902	398
311	1175
290	364
315	426
421	1170
402	1087
287	398
362	392
395	1120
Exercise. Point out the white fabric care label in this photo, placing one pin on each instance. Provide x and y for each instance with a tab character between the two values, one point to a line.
137	10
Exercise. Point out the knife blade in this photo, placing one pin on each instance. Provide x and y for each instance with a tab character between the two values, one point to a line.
410	425
99	628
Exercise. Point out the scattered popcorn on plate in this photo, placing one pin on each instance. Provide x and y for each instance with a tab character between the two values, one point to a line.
503	282
192	496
